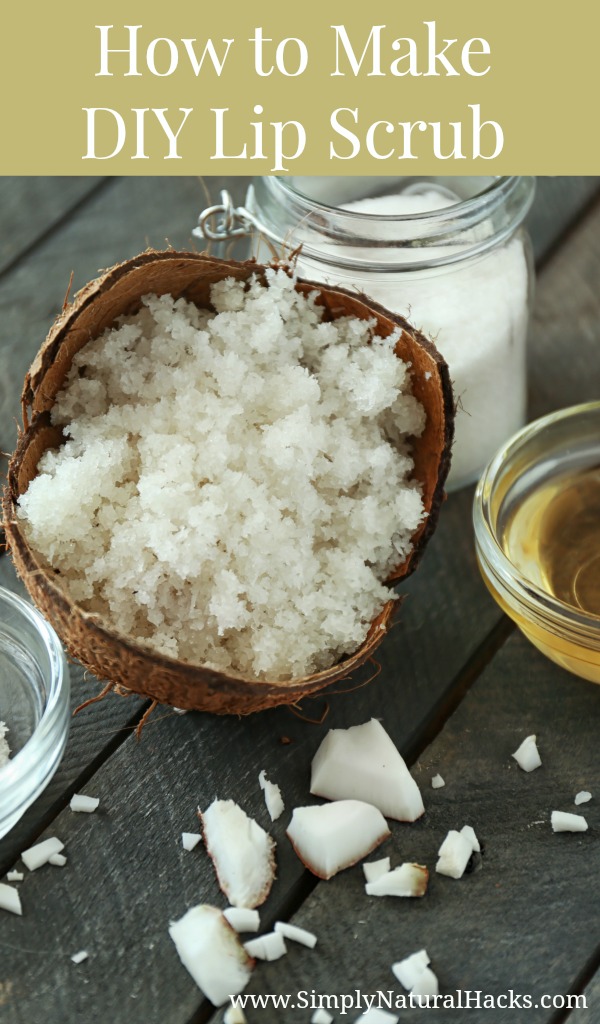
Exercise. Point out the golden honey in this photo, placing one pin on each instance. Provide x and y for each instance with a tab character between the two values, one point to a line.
537	531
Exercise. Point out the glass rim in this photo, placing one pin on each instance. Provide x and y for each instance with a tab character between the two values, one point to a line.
491	554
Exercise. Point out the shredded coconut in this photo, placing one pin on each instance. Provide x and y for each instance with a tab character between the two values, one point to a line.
235	485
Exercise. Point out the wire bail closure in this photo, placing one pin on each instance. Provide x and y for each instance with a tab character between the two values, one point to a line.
229	221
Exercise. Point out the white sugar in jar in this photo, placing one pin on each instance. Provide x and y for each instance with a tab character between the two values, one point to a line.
449	254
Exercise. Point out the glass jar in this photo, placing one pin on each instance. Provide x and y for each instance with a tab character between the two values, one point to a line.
34	705
450	254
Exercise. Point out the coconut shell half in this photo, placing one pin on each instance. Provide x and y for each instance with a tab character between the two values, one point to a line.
100	647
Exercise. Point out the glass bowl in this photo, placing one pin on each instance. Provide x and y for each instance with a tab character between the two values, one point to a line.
547	480
34	704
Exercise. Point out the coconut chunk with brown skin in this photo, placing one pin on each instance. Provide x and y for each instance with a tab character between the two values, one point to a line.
362	763
242	852
405	880
335	836
527	755
211	951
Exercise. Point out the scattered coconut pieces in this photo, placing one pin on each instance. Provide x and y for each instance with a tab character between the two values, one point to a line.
58	860
362	763
211	951
273	798
437	782
267	947
84	804
242	919
234	1015
242	852
583	797
40	854
374	869
335	836
10	899
78	958
321	1016
562	821
190	840
527	756
15	876
454	855
296	934
405	880
408	971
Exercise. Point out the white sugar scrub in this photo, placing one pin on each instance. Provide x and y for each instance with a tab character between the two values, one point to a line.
448	253
4	747
477	314
235	486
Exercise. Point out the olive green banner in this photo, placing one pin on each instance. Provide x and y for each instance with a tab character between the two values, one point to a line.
318	87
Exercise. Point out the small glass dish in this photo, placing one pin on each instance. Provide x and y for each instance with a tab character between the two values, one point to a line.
34	704
538	505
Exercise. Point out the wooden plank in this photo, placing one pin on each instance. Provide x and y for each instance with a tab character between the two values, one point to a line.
559	202
30	207
522	921
564	361
590	1013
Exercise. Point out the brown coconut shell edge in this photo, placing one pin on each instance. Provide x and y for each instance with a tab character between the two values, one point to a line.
104	651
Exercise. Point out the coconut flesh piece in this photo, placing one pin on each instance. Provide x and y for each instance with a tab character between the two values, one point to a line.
10	899
373	869
425	985
362	763
527	756
58	860
582	797
190	840
437	782
564	822
469	833
408	971
267	947
234	1015
82	803
296	934
273	798
78	958
405	880
321	1016
15	876
210	950
242	919
242	852
454	855
40	854
335	836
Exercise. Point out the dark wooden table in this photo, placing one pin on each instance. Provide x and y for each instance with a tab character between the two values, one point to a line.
458	690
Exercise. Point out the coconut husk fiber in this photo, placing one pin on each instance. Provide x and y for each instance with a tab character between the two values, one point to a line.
109	655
